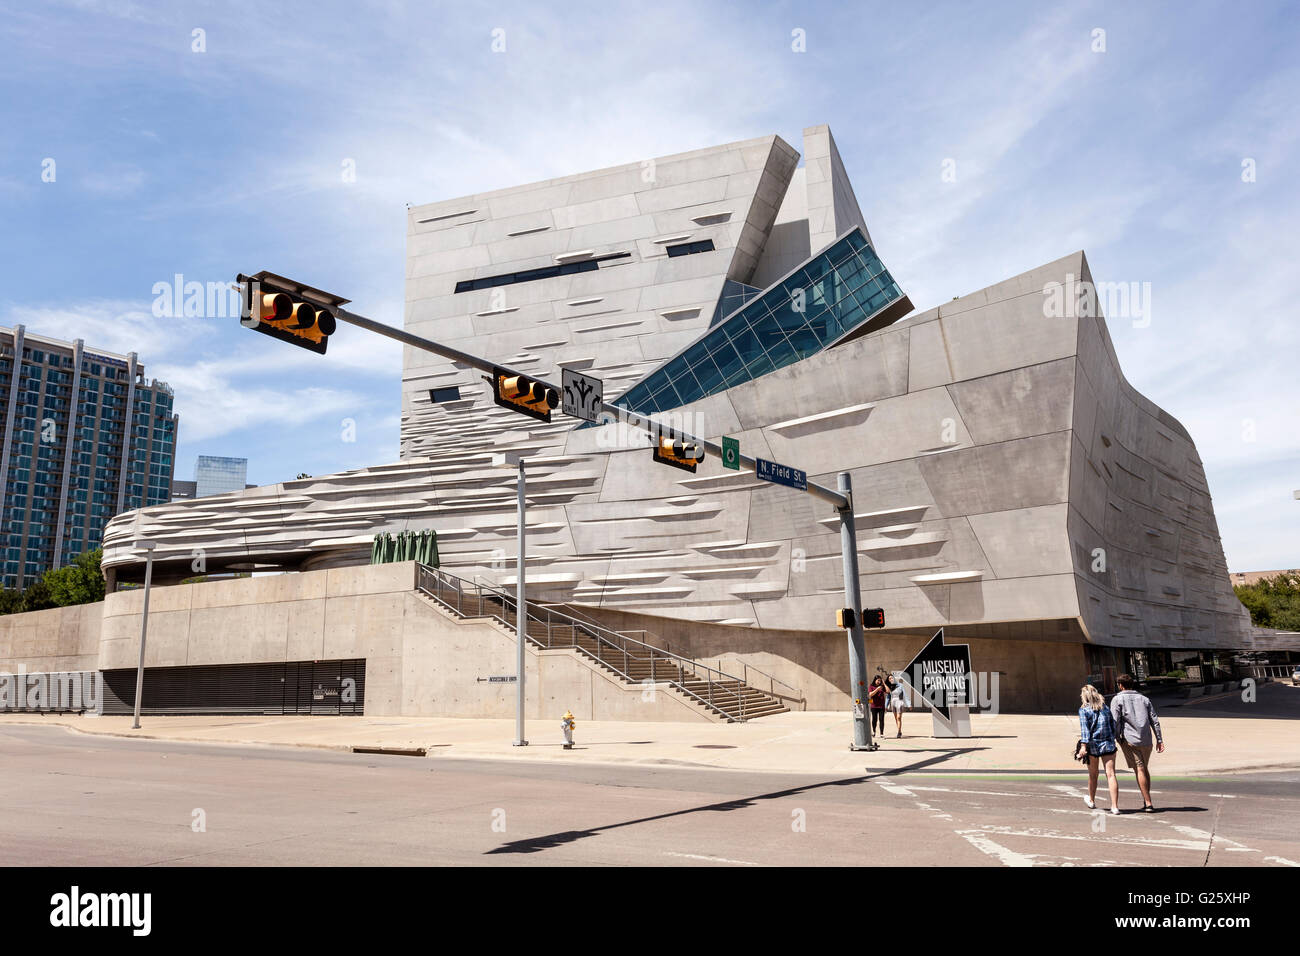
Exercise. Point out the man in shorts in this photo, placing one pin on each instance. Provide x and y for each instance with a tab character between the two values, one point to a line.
1136	723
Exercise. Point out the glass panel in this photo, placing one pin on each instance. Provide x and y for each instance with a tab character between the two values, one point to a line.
785	316
707	374
805	342
853	272
820	321
665	396
760	364
726	358
847	315
768	331
745	341
692	356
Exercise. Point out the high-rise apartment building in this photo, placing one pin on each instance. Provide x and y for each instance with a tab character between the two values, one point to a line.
86	437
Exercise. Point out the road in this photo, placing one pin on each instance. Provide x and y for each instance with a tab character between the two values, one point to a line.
74	800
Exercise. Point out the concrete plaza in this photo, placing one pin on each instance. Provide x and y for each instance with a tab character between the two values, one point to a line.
1220	735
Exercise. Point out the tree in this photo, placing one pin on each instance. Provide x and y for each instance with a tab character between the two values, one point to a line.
81	582
11	601
37	596
1273	602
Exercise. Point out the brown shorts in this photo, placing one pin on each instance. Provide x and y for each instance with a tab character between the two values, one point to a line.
1138	757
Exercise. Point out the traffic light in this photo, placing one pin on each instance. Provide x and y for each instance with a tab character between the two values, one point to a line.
844	617
679	453
873	617
288	310
523	394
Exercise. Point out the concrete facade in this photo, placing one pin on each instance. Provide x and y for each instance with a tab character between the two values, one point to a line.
420	660
1010	485
424	662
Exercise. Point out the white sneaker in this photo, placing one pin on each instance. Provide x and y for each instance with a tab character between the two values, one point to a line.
1114	811
1090	804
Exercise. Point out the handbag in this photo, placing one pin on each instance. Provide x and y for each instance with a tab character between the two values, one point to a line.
1080	752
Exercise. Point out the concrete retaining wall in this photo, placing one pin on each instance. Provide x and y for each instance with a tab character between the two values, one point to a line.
59	639
420	661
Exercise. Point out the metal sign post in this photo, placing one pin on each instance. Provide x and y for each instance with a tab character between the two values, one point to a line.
521	621
857	642
148	547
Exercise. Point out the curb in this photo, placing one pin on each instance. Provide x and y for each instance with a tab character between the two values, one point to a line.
448	752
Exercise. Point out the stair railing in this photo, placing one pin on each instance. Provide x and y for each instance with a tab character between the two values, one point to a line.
475	599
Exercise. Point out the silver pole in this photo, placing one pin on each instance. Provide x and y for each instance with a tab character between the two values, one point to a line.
144	631
853	600
521	618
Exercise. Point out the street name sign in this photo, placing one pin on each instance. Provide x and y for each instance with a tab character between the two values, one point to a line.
780	474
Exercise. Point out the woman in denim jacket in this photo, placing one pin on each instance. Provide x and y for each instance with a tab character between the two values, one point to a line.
1097	737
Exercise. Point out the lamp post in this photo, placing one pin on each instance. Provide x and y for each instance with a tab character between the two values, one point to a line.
509	460
147	547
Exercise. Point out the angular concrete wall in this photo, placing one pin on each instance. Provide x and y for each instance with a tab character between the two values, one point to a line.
1148	558
623	318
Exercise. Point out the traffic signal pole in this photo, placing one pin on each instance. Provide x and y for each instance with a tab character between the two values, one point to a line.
857	640
842	500
521	617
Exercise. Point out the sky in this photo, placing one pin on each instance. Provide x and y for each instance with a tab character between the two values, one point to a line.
140	142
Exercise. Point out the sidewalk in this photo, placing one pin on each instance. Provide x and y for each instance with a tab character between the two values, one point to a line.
811	742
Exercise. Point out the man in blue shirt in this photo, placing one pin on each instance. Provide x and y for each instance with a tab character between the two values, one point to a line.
1136	723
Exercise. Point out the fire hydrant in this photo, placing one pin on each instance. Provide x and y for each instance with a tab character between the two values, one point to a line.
567	724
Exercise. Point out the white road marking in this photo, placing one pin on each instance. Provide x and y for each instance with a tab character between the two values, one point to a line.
1207	837
1005	856
1282	860
936	811
710	859
983	793
1198	846
893	788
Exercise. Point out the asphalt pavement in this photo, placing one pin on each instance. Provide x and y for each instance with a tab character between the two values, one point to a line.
74	800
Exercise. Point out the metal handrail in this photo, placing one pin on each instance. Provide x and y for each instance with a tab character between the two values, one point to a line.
796	697
574	612
618	643
1269	670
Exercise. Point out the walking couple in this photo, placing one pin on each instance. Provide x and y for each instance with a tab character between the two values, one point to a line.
1128	724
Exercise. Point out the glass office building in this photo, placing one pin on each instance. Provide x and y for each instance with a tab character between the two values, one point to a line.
214	475
86	437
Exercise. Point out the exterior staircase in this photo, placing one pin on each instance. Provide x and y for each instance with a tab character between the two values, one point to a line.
634	662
